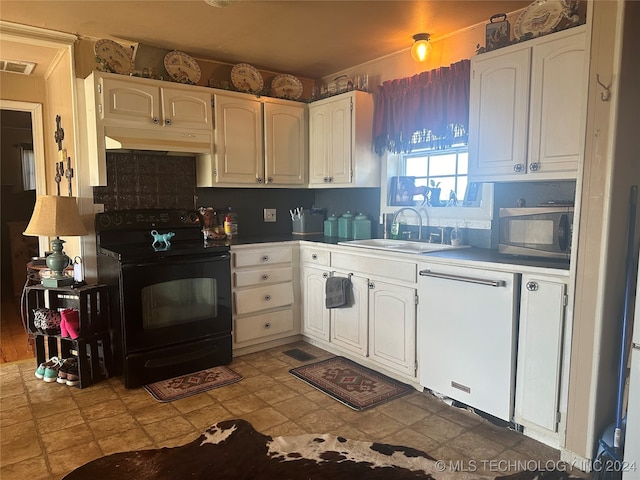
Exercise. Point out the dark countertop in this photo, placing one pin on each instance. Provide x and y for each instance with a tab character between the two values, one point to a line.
472	253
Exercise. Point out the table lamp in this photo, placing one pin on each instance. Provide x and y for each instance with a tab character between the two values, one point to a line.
56	216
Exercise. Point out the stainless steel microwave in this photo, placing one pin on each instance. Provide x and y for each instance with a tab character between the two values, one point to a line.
536	231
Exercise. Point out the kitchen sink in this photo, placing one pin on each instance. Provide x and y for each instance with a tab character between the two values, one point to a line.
405	246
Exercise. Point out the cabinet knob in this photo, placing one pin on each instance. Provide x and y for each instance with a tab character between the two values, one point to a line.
260	179
265	277
371	285
518	167
267	325
325	179
314	256
167	121
155	120
267	298
330	179
269	179
532	286
534	167
325	275
265	258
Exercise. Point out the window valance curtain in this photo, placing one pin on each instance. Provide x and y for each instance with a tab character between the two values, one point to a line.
430	108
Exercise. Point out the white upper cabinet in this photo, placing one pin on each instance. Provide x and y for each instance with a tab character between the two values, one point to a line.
528	109
340	142
258	141
143	114
125	100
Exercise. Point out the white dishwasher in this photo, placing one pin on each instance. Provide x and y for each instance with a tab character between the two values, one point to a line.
467	335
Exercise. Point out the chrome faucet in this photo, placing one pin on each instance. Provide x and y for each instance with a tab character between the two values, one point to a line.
397	212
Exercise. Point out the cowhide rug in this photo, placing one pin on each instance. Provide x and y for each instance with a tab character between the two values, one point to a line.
234	450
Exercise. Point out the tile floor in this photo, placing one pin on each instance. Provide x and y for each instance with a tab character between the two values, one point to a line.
48	429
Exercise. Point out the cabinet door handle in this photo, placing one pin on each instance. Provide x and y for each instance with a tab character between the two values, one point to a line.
371	285
325	275
534	167
267	325
314	256
518	167
267	298
265	258
269	179
460	278
325	179
260	179
265	277
155	120
168	121
532	286
330	179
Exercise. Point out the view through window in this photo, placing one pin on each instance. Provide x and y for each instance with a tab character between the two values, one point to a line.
446	169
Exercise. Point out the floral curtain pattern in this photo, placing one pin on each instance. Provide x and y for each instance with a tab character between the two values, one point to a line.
430	108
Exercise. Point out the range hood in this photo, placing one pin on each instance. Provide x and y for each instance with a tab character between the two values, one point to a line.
160	139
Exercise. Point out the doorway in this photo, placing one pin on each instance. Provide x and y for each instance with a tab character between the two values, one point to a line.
22	162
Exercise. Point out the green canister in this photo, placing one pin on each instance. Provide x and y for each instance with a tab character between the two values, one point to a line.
331	226
361	227
345	225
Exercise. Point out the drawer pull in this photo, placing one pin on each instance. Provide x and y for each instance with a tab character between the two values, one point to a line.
267	325
167	121
265	277
265	258
267	298
314	256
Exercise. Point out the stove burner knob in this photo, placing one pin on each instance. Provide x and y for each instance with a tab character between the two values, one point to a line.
104	220
117	219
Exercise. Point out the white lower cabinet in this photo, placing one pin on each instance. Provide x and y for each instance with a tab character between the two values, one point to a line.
392	327
379	325
539	362
264	286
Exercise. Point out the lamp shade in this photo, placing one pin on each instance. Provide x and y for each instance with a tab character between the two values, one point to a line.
55	216
421	47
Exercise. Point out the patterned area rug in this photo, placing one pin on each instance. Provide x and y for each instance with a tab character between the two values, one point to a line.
356	386
234	450
192	383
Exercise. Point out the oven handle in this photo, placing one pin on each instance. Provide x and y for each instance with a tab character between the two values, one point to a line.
180	260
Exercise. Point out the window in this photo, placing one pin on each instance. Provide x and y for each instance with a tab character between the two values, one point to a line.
446	169
28	167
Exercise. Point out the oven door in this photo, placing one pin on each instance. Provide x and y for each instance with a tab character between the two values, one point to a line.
175	300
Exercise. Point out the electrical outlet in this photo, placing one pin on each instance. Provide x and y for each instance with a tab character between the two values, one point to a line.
269	214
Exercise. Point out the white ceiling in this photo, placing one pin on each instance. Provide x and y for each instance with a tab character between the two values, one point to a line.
307	38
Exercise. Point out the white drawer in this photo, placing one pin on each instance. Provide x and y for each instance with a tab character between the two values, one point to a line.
317	256
381	267
262	276
263	325
251	258
263	298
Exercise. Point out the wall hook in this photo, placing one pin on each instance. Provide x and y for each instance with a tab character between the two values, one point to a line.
607	89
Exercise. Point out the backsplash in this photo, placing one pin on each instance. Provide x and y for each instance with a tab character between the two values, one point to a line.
151	180
147	180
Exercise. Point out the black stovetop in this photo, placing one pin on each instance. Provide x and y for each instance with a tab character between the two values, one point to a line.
126	235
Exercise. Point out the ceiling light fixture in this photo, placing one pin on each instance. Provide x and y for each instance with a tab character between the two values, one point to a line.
421	47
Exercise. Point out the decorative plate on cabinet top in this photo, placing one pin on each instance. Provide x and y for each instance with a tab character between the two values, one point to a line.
113	56
246	78
181	67
286	86
539	18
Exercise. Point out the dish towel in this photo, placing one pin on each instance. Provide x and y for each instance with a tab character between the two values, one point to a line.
337	292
